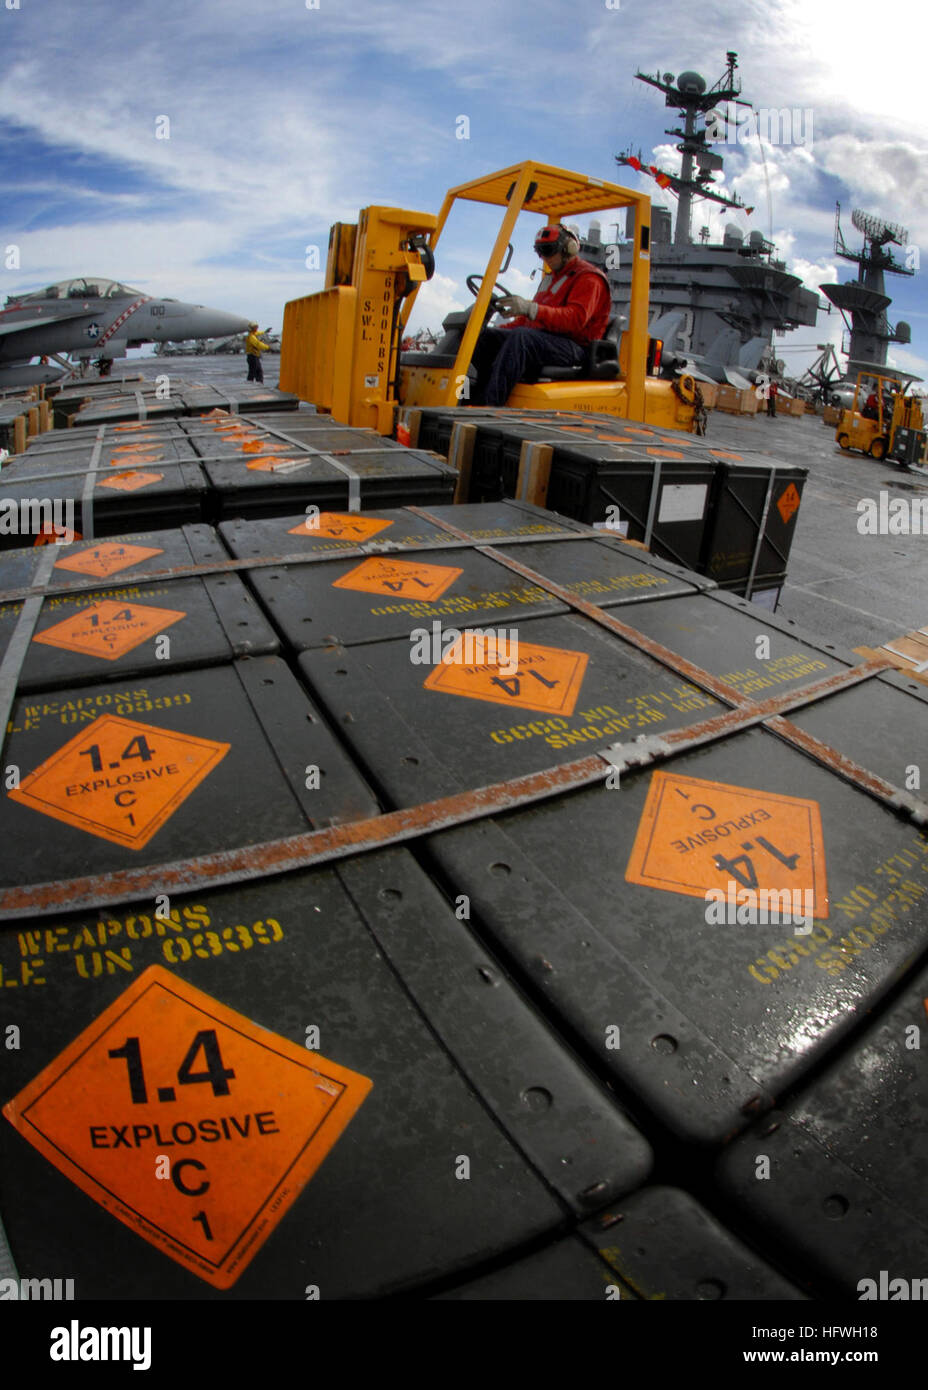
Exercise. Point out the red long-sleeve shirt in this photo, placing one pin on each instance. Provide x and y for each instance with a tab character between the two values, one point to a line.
577	302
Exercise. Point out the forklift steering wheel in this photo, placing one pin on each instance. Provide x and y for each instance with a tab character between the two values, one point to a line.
474	282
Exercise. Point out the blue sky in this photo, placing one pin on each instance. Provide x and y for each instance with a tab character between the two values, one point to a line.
285	118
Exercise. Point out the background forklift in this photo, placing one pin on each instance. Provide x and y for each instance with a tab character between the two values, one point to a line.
883	421
341	346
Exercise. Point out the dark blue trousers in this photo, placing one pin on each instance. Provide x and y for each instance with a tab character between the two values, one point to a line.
504	357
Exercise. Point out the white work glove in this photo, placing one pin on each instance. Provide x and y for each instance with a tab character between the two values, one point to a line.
512	305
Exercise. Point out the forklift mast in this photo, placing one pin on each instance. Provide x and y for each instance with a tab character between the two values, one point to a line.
340	347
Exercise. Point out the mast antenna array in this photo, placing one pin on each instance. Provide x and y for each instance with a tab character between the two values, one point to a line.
876	229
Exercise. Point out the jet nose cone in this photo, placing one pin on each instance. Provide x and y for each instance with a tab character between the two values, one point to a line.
213	323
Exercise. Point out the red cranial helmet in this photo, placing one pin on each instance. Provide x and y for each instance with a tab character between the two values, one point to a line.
556	238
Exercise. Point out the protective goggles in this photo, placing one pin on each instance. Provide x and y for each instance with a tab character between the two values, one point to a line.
546	246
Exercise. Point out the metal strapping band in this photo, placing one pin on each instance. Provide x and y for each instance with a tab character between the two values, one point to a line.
257	562
93	463
680	664
87	492
822	752
15	654
761	530
393	827
911	806
354	480
8	1269
140	403
652	502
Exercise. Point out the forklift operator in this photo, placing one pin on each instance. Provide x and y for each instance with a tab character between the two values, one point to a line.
570	311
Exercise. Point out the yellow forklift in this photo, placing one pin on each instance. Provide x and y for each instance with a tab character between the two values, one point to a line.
341	346
883	421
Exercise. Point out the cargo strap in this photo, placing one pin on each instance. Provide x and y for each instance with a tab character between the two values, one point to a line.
652	502
908	805
93	464
677	663
8	1269
899	800
257	562
396	827
354	480
89	481
310	453
231	404
15	654
761	528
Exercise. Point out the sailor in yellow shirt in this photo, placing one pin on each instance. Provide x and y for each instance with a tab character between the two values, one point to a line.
254	346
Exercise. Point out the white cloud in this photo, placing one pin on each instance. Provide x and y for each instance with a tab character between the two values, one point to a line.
286	119
439	296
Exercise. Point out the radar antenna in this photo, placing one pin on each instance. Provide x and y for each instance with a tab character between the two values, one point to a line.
876	229
878	234
863	302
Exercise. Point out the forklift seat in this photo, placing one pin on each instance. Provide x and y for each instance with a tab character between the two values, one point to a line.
445	360
600	361
446	349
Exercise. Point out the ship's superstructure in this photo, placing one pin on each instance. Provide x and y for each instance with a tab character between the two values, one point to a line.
863	302
722	300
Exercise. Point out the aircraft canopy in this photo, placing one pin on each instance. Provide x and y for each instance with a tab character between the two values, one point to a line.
83	287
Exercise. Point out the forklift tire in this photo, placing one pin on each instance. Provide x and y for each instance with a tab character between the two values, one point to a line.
844	441
878	448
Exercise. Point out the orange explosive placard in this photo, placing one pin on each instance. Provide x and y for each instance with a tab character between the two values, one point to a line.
262	446
102	560
788	503
191	1124
340	526
696	835
108	629
130	481
523	675
120	779
404	577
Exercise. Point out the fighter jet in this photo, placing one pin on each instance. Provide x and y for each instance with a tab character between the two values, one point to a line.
90	317
727	359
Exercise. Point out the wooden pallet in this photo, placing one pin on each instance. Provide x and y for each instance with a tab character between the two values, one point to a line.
909	653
